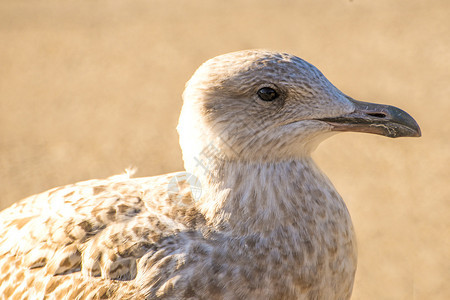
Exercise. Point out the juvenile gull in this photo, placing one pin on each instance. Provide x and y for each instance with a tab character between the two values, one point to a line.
267	224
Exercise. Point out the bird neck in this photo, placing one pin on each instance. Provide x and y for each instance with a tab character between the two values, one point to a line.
251	197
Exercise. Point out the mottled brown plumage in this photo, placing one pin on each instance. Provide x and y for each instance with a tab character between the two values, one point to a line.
267	225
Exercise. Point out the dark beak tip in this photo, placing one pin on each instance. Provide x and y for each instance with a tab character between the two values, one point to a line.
407	122
418	131
410	132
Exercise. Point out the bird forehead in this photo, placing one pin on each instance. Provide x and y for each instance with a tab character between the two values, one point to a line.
246	68
261	63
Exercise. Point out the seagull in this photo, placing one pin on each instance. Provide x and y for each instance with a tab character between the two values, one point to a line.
251	217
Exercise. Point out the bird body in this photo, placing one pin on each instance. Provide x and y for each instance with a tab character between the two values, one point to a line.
267	225
103	235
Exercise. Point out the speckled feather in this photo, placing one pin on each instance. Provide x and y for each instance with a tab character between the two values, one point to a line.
269	224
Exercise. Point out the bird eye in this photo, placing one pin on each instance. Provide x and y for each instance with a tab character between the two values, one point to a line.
267	94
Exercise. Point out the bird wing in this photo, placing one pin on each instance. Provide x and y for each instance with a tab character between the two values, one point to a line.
90	234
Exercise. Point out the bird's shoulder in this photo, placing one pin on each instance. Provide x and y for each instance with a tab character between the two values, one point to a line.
99	228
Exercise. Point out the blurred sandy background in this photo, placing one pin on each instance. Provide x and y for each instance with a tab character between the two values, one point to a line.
88	88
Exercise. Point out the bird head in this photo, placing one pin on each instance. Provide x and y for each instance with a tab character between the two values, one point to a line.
258	105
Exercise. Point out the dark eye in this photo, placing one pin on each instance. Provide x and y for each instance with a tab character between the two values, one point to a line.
267	94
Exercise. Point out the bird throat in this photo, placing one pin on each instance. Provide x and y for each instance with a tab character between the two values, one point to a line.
260	197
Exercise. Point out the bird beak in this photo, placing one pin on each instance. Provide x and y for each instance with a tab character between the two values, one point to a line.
374	118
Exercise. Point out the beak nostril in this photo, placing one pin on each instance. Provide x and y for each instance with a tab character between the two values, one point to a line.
377	115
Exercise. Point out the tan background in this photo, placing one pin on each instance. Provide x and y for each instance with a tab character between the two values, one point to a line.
88	88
